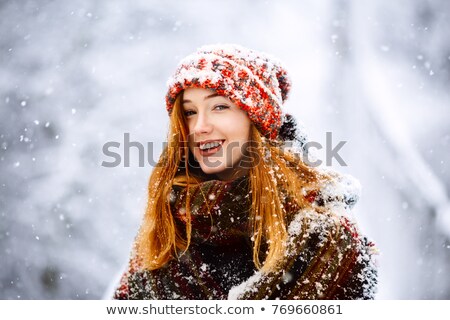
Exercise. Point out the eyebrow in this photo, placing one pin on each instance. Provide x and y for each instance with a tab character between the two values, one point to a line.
215	94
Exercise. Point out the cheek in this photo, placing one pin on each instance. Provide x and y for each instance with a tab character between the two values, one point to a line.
189	127
238	125
246	131
191	144
242	129
190	141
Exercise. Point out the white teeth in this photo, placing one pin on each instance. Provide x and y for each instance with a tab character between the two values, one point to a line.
210	145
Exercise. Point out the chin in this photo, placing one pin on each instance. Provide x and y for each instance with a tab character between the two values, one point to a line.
209	170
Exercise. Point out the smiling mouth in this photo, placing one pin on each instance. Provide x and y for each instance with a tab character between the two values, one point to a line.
210	148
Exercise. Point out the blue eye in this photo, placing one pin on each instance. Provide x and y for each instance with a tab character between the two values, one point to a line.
189	113
221	107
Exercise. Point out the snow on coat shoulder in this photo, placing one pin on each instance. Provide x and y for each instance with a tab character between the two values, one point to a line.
327	257
341	193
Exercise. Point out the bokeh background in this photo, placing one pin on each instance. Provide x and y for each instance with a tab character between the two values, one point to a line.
77	74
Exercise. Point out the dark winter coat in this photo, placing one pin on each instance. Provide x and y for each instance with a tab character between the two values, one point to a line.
326	255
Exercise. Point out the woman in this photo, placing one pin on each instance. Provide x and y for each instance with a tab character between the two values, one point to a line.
232	213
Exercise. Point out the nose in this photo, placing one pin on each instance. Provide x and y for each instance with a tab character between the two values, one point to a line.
203	124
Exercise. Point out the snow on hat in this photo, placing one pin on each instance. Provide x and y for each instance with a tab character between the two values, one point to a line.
255	81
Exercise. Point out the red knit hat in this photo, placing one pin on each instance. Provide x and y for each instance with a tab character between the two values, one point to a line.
255	81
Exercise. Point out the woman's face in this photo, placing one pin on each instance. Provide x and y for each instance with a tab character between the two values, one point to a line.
218	132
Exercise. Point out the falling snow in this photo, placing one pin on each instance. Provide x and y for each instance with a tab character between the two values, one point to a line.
384	92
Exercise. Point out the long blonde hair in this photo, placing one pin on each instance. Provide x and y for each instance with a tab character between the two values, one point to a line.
272	168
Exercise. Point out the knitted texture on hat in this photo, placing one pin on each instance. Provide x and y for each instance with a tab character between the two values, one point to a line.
256	82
